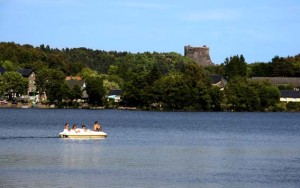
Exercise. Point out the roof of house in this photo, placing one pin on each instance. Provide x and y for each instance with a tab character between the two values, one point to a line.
2	70
81	84
115	92
72	83
289	94
73	78
216	78
295	81
25	72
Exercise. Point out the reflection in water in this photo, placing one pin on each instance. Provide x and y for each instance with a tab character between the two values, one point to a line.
83	153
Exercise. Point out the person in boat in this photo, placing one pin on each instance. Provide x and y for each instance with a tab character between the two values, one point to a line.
66	129
74	129
83	127
97	126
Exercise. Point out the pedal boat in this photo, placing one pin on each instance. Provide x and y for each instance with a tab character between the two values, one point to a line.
83	134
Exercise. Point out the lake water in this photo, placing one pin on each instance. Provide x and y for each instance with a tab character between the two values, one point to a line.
150	149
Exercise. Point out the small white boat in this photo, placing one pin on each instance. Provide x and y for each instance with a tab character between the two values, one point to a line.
83	134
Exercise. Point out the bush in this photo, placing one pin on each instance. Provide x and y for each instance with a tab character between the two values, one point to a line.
280	107
293	106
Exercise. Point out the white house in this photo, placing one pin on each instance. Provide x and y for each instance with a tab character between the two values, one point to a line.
289	96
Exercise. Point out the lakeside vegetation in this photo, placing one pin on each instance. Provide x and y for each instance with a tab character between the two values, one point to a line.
150	81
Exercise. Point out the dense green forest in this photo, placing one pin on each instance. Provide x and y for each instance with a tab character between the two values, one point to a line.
165	81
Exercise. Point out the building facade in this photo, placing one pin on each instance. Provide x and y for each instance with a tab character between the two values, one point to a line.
199	54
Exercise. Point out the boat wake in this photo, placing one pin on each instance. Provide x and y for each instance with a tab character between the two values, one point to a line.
25	137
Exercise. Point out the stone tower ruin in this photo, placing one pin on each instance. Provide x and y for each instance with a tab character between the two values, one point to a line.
199	54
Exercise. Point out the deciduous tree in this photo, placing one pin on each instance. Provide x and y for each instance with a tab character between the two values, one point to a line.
13	82
95	90
235	66
52	82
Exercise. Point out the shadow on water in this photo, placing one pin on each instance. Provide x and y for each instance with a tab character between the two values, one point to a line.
44	137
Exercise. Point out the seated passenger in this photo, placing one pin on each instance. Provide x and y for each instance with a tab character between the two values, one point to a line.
74	129
84	129
66	129
97	126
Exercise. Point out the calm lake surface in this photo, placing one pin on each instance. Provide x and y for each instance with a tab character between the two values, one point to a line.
150	149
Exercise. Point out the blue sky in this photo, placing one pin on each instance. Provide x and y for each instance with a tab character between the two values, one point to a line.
258	29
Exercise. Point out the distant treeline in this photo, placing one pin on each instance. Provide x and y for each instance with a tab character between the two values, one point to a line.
166	81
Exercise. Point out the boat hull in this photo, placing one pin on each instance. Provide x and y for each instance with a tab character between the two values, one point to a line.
83	135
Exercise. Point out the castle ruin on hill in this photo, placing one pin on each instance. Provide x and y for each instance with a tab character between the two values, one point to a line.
199	54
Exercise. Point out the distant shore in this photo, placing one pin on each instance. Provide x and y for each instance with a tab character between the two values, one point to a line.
52	106
46	106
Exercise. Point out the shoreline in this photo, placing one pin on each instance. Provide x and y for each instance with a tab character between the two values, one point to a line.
21	106
27	106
